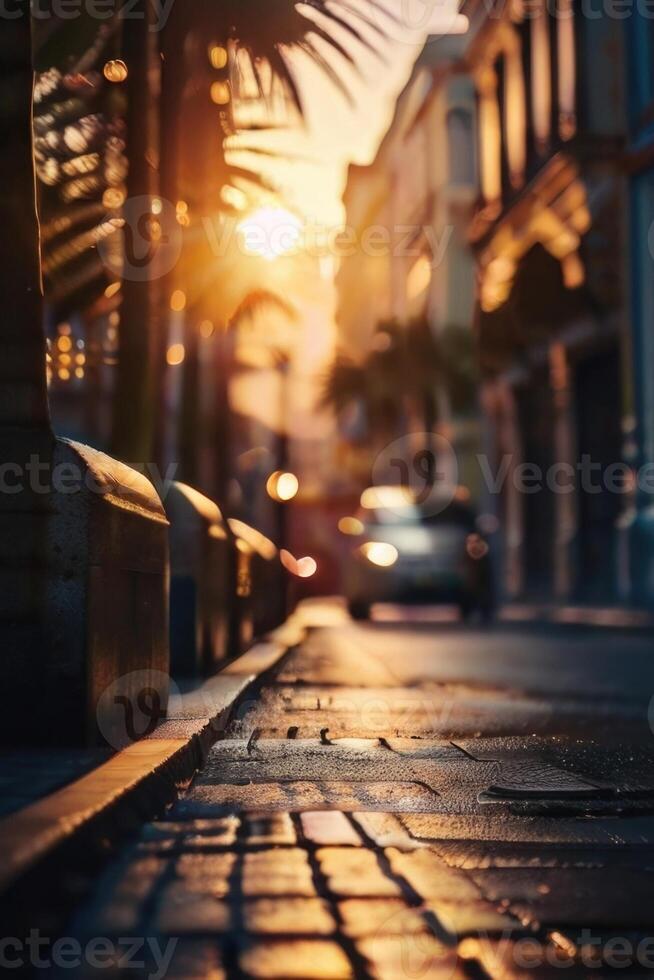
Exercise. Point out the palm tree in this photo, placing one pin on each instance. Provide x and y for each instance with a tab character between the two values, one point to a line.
373	385
252	35
24	421
407	370
23	364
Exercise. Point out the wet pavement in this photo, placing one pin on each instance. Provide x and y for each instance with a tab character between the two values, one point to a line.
410	800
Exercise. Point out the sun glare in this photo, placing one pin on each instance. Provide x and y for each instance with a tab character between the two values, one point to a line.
270	233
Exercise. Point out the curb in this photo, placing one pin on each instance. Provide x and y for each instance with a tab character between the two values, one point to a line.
91	813
608	617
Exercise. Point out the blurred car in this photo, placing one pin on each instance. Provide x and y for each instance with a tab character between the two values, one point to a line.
406	551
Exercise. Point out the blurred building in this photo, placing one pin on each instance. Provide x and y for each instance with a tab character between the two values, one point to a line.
408	258
548	237
640	170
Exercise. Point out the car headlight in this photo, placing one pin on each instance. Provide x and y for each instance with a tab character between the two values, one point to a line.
379	553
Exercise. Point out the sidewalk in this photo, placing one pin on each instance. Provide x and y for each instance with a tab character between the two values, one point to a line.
406	802
54	798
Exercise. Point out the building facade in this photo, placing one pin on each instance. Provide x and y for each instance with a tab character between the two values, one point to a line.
640	171
548	233
409	213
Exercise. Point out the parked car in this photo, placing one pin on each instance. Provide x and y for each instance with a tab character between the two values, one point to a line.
406	551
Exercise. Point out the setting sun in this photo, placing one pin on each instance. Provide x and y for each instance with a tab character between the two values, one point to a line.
270	233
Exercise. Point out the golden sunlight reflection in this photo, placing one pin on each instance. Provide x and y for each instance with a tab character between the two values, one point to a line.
270	233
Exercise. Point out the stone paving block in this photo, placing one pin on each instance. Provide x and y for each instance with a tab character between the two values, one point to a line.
604	897
358	744
196	959
473	918
405	712
269	828
355	872
386	830
503	827
405	957
297	958
181	910
482	856
218	832
430	877
310	795
528	958
328	827
157	832
433	750
277	872
206	873
288	916
379	917
344	759
120	896
628	830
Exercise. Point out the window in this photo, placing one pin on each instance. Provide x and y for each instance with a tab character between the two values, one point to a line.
460	147
541	77
490	136
567	70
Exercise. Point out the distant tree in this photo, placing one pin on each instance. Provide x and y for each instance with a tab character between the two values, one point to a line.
403	374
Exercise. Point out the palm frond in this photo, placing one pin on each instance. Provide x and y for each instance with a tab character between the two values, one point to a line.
266	30
258	301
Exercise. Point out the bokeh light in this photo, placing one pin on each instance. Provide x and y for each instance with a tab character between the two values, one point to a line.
175	355
282	486
115	70
380	553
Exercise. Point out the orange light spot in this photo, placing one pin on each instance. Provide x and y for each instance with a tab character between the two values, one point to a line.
175	355
115	70
178	301
217	56
282	487
307	567
220	93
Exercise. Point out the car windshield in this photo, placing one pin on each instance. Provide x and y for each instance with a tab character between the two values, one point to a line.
407	513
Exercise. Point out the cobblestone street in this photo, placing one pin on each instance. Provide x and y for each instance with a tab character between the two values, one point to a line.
392	807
